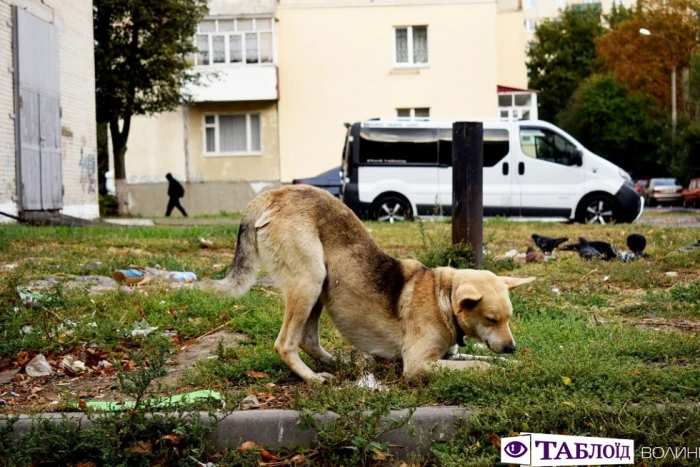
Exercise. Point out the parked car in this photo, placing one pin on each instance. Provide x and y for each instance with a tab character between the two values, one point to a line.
663	190
394	169
329	181
691	195
640	185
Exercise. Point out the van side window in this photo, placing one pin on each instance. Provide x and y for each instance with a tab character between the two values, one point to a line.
547	145
496	147
398	146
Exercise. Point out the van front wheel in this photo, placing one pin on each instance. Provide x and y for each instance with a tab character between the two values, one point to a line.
392	209
597	209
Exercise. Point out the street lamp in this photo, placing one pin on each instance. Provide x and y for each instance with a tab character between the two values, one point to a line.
646	32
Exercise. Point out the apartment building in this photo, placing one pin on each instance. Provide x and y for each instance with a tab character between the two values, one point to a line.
284	76
47	108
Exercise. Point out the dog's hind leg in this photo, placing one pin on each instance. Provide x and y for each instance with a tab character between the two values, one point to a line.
301	298
310	342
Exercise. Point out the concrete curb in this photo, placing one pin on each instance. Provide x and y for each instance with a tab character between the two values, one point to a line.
278	428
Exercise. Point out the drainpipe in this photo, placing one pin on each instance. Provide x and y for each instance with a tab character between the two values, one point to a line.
186	129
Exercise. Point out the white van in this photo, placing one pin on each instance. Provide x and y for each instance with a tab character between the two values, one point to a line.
393	169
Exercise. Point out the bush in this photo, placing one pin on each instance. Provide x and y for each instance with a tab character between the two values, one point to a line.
108	206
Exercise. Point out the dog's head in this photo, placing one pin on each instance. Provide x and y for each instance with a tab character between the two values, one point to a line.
481	304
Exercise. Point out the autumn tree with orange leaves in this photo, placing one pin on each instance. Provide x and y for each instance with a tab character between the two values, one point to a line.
644	63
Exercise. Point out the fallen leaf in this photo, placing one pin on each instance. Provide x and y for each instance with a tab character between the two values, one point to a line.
141	447
8	376
300	459
82	404
141	313
256	374
264	454
526	351
569	404
566	380
174	439
495	441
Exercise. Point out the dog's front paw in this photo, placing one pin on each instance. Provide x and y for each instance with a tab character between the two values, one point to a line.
320	378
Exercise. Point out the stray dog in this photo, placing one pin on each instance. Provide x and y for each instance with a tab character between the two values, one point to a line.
322	256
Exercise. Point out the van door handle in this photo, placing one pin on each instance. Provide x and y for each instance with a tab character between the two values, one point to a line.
521	168
505	168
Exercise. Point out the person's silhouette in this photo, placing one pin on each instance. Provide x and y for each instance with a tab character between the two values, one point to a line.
175	192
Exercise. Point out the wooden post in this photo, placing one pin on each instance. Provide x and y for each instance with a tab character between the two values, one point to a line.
468	186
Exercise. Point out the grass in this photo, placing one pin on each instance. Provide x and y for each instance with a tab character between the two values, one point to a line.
589	362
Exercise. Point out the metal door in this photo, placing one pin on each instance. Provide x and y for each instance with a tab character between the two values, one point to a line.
39	113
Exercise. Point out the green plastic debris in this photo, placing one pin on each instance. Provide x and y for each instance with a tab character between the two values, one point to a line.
158	403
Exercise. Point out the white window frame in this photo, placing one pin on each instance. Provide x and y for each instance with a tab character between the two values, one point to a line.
217	141
529	21
530	5
242	35
409	37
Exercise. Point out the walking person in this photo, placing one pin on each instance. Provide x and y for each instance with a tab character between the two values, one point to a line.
175	192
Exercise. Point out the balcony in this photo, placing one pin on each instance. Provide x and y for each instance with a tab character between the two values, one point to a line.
236	83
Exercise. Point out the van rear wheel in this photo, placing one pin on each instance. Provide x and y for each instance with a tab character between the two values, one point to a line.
598	209
391	209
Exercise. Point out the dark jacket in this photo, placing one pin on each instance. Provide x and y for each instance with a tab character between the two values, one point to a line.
175	189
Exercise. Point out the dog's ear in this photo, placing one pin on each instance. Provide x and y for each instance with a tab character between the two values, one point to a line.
468	297
513	282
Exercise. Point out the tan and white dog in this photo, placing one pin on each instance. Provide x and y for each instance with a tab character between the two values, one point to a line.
322	256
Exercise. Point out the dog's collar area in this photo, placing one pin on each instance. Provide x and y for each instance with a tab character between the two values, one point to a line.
460	333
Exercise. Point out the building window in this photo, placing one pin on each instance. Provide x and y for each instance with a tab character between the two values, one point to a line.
530	25
413	113
529	4
232	134
560	4
411	45
234	41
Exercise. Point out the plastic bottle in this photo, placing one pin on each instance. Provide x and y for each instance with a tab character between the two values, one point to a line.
181	276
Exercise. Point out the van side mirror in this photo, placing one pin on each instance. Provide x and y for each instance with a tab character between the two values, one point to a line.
578	157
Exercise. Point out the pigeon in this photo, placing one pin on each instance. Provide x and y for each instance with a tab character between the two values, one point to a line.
585	250
547	244
533	256
636	243
627	256
606	250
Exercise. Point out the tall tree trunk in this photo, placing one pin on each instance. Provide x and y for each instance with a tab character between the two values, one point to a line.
119	139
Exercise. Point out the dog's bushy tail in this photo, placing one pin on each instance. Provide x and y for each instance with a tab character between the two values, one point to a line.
244	268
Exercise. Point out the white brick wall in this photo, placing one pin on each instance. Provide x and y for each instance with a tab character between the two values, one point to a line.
77	81
7	125
77	65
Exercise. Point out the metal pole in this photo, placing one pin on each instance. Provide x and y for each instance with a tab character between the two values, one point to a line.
673	102
468	186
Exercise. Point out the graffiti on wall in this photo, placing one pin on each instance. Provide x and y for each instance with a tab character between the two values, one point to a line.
88	171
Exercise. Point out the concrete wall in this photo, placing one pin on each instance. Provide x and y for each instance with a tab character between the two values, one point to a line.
76	63
150	199
336	65
512	70
158	145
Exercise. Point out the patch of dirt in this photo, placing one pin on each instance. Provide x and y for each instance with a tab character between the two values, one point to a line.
94	284
659	324
19	392
199	349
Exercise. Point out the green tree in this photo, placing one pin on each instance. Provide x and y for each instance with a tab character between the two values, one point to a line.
141	50
616	124
562	55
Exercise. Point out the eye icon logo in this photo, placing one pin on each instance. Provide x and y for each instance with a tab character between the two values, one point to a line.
515	449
